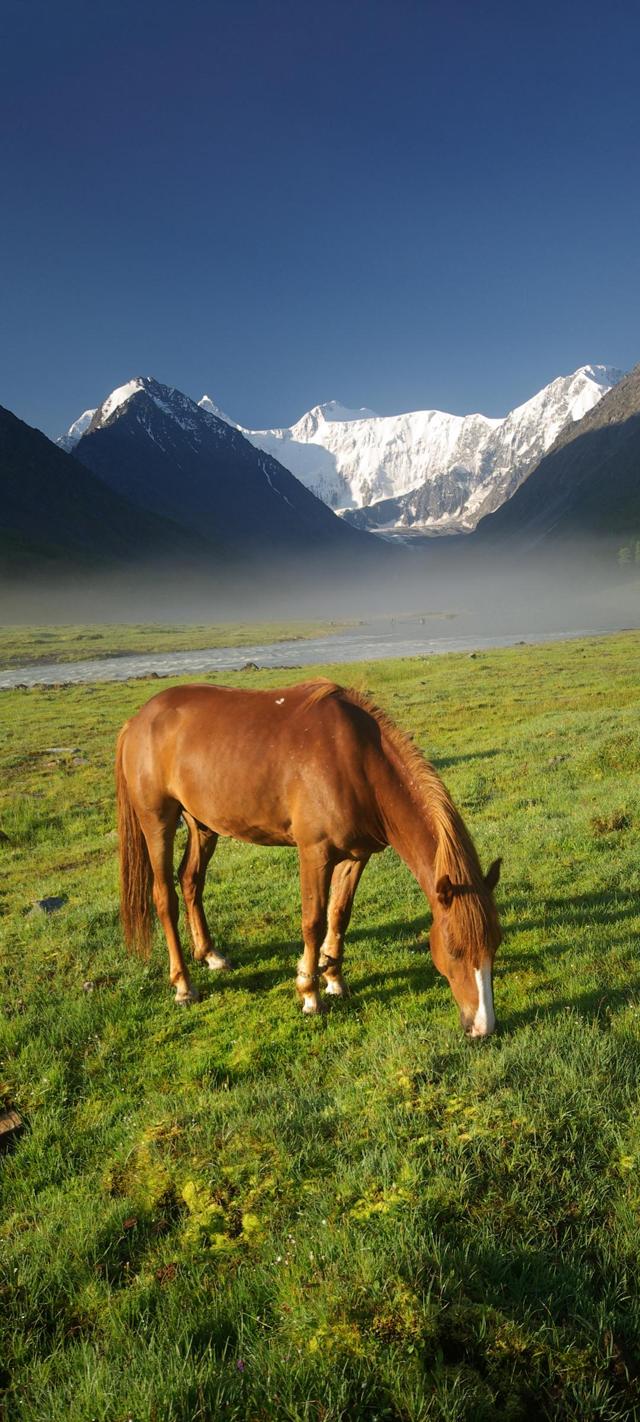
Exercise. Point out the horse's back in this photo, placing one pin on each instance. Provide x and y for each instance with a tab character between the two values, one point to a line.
230	712
273	766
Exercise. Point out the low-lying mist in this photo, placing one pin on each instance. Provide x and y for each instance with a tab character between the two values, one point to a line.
465	591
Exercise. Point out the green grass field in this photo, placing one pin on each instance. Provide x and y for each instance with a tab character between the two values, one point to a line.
236	1212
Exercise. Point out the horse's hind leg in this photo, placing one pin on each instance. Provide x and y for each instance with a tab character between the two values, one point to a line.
345	880
192	873
315	877
159	831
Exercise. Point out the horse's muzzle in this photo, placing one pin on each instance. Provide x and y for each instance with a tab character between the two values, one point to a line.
471	1028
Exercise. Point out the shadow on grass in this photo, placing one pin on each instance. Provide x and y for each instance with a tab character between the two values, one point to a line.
400	933
596	907
593	1005
243	978
393	983
383	985
397	936
410	935
445	762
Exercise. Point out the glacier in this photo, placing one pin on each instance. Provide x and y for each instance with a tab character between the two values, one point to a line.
440	472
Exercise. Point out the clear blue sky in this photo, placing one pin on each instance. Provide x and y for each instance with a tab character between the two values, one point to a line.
397	204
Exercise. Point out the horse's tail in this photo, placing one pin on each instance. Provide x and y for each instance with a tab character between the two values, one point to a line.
135	867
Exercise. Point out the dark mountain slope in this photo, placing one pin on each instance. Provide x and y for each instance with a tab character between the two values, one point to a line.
588	485
54	512
158	448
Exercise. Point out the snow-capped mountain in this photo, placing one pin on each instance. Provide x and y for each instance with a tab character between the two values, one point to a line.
206	404
430	469
159	449
426	470
75	432
586	487
172	401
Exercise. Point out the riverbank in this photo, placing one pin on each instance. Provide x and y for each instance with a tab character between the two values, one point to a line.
24	646
380	639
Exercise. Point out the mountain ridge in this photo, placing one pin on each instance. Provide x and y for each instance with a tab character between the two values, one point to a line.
443	472
587	485
160	449
475	463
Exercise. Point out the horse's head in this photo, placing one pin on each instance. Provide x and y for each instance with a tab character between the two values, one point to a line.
464	937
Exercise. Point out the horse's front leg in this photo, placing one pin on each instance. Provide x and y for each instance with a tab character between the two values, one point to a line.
345	880
316	866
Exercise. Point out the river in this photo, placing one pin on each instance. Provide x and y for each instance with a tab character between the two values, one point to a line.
368	642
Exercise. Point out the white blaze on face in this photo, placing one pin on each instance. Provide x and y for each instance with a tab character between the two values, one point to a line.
484	1020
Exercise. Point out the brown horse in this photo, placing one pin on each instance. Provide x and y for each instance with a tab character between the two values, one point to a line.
314	766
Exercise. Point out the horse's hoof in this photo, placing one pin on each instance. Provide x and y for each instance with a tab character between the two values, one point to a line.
335	989
216	964
310	1004
185	999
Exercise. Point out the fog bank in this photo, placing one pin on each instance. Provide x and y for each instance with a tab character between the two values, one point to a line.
485	593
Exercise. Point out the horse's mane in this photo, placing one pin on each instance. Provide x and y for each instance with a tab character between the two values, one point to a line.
456	855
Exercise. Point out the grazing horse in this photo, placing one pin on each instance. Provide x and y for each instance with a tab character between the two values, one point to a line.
315	766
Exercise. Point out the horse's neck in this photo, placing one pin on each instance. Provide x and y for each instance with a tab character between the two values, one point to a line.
407	829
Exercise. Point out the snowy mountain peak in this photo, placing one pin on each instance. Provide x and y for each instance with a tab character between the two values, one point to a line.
332	410
75	432
209	405
461	466
119	397
607	375
436	471
160	449
330	413
169	403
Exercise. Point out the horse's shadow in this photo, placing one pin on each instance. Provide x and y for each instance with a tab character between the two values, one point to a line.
445	762
401	932
244	977
383	987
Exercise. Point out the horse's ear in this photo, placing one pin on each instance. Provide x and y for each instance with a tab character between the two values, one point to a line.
492	875
444	890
